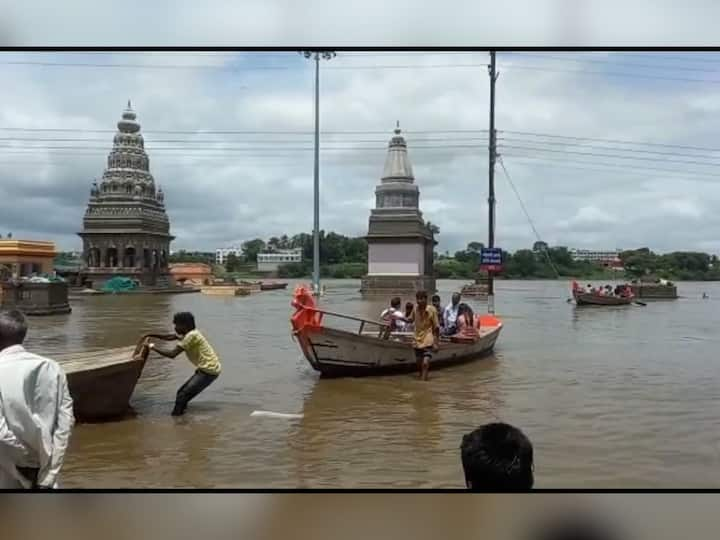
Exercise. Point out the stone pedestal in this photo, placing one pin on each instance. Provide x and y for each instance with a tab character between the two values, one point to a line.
388	286
35	298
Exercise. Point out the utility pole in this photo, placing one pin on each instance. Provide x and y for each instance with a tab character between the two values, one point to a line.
491	179
325	55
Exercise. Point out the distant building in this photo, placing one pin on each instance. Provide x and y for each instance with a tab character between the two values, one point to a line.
271	261
22	258
221	254
607	258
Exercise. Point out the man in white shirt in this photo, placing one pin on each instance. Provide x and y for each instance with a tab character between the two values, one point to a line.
36	411
450	315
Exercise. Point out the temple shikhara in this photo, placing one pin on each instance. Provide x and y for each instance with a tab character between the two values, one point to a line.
400	244
126	231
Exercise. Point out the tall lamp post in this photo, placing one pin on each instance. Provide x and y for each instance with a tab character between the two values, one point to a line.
317	55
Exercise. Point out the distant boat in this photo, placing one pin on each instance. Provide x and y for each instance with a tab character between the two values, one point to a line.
342	353
102	382
478	289
272	285
590	299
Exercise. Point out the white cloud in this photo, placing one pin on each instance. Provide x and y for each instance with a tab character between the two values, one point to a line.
578	192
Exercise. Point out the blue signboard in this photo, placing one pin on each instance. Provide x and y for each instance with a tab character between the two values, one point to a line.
491	259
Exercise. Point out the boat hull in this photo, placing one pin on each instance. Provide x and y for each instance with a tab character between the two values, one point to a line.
101	383
595	300
272	286
338	353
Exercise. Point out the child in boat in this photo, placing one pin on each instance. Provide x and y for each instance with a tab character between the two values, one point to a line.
198	351
467	323
427	333
393	316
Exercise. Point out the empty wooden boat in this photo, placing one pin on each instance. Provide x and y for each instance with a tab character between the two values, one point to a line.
101	382
339	353
272	285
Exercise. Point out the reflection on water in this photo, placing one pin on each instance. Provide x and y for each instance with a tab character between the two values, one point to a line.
623	397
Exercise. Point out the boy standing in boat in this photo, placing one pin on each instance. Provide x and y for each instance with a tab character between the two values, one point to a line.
198	351
427	333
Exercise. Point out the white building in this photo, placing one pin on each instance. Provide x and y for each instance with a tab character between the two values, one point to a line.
271	261
221	254
602	257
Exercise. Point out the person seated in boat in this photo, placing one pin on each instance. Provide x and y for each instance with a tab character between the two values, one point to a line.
497	457
467	323
450	315
36	411
437	304
198	351
409	308
608	290
393	316
427	333
589	289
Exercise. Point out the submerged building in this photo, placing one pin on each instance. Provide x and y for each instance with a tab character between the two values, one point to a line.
400	244
126	231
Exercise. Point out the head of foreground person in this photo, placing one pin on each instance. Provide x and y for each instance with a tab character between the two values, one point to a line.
13	328
497	457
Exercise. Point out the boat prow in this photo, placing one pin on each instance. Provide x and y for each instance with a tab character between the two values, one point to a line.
102	382
374	350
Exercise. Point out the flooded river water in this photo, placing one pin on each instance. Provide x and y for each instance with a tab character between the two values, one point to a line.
610	397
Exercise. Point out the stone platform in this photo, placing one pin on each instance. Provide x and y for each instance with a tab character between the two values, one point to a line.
35	298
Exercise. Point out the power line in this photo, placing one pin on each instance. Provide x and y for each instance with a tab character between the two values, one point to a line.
611	74
618	141
527	215
610	62
609	167
614	156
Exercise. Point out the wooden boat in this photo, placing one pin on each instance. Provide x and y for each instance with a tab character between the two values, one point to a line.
654	291
474	290
272	285
250	286
102	382
587	299
342	353
225	290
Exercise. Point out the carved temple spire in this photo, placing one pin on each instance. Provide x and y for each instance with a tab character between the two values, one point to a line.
397	163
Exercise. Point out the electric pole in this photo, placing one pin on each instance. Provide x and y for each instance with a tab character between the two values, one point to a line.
491	180
317	55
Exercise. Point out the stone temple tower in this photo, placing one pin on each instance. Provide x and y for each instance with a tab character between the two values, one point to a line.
400	245
126	231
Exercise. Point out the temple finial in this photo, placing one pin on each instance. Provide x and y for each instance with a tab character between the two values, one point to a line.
397	127
129	105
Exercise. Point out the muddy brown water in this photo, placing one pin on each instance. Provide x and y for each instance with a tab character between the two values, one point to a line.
611	397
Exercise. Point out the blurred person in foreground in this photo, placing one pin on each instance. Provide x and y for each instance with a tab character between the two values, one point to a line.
497	457
36	411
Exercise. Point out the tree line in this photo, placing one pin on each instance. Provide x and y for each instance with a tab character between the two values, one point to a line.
346	257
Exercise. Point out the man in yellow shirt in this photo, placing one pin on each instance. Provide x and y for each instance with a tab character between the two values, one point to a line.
198	351
427	333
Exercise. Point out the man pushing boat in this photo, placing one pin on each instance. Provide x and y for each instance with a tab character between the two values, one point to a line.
427	333
198	351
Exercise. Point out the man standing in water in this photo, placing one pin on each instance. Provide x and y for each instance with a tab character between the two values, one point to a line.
198	351
36	411
427	333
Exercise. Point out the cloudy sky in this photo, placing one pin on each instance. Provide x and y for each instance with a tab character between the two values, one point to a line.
605	149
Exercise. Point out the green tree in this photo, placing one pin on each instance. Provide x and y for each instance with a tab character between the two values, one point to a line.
232	263
251	248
